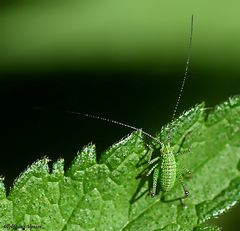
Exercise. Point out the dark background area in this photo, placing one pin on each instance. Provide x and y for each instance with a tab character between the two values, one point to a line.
123	62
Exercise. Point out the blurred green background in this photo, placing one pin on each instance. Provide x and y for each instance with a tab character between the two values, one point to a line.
118	59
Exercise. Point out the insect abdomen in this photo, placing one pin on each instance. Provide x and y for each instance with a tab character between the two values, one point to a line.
168	172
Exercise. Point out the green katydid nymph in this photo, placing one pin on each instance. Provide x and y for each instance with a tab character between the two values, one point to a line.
163	168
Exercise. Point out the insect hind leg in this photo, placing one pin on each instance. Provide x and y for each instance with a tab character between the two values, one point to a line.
183	169
185	190
155	182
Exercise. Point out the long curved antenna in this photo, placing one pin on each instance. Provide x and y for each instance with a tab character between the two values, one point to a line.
184	79
107	120
115	122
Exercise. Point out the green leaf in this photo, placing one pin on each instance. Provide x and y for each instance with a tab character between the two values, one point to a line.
112	193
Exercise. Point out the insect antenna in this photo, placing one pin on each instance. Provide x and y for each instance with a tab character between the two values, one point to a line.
115	122
106	120
183	82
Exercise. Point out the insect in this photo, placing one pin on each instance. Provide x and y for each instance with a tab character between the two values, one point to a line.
163	167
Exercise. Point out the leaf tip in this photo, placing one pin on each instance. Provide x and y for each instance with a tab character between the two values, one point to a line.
84	159
39	169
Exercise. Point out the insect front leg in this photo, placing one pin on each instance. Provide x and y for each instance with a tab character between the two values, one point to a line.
150	153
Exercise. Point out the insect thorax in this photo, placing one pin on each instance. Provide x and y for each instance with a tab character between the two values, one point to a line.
166	149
